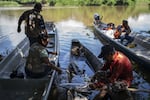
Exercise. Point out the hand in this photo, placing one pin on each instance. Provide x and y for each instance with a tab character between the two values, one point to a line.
93	79
119	85
55	53
92	86
18	29
59	71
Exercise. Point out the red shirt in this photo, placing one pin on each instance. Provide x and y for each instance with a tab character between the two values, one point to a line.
120	68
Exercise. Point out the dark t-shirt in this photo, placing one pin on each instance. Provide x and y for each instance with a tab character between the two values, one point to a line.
34	61
34	23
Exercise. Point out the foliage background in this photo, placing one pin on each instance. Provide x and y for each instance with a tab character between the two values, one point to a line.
74	2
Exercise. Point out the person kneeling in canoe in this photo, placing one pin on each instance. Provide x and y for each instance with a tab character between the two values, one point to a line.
116	70
126	29
38	64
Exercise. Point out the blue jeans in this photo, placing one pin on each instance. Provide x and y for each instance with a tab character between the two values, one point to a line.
128	38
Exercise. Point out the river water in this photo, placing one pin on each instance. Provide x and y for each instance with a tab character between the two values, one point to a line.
76	23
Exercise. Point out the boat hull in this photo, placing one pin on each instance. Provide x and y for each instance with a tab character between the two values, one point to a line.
132	53
24	88
83	66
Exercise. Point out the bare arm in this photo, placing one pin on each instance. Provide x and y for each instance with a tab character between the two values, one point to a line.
51	65
54	53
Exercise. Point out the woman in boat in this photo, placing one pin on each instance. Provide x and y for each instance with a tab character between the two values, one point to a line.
38	64
117	69
34	23
126	29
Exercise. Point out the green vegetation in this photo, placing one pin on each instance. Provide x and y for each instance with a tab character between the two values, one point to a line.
97	2
74	2
8	3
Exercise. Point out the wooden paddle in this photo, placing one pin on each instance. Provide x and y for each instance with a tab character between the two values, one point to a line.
138	90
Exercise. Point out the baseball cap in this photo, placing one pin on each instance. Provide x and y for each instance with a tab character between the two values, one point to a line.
105	50
43	36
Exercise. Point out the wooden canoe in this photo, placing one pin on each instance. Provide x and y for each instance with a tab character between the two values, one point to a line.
23	88
139	53
83	65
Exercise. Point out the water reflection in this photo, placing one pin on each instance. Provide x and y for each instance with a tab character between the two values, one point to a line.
8	36
73	23
71	29
79	31
140	23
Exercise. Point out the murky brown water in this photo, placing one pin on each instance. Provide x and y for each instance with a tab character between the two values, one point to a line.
75	22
